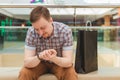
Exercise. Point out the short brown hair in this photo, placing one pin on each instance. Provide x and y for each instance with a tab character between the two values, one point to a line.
38	12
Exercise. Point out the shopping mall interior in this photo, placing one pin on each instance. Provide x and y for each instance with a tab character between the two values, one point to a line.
88	15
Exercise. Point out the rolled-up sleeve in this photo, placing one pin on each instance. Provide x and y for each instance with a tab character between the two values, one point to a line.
68	40
30	39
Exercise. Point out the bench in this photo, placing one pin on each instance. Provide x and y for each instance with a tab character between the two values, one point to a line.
11	73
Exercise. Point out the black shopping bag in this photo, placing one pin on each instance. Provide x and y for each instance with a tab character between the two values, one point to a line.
86	52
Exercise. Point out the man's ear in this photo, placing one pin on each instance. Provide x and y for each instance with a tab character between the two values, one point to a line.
51	20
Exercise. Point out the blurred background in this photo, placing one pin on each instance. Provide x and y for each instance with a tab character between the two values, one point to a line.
103	16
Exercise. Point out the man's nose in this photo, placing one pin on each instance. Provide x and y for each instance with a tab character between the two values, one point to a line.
40	32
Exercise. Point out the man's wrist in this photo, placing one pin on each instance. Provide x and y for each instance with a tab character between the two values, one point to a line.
38	57
53	59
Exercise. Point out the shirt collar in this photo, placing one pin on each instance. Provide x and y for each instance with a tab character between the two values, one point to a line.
55	31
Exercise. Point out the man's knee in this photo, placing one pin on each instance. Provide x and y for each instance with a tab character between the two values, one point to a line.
70	71
25	73
70	74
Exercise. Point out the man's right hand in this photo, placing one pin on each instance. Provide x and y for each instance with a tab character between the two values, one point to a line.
48	54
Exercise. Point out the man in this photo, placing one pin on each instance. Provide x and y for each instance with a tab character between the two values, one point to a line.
48	48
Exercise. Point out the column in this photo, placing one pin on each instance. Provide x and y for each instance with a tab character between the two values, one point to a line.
107	31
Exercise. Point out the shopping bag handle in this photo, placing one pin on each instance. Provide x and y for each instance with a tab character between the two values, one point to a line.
88	22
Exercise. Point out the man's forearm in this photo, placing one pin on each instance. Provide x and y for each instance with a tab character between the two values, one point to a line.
31	62
63	62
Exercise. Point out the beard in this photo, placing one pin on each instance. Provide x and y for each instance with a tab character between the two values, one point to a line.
45	35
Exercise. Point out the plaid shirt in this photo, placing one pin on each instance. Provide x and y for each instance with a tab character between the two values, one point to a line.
60	40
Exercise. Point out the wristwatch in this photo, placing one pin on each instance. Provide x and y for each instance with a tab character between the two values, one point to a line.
38	57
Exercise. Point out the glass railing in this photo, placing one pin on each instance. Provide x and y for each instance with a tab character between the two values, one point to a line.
14	37
12	40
